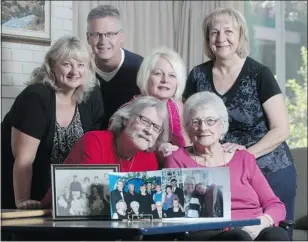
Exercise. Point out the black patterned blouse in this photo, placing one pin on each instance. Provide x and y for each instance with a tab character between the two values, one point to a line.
65	138
248	124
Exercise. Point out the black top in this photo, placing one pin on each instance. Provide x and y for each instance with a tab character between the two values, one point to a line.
122	87
171	214
34	113
248	123
130	198
145	202
116	196
65	138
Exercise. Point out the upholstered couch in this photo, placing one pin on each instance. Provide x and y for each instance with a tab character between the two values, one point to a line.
301	223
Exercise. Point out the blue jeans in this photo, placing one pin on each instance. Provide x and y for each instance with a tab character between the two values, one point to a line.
283	183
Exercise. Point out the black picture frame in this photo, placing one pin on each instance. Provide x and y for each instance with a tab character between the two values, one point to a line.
80	192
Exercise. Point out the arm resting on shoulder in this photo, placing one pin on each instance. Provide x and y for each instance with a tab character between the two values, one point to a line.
24	148
279	129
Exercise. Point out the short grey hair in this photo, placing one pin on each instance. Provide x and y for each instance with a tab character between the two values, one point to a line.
102	11
134	203
149	62
239	22
119	203
67	47
131	110
203	100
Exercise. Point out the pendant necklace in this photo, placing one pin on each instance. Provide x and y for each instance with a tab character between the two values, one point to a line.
131	165
222	154
121	160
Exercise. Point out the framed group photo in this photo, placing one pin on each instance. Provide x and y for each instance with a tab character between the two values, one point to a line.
81	191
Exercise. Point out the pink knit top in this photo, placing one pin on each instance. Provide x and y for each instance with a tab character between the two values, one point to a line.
176	135
251	195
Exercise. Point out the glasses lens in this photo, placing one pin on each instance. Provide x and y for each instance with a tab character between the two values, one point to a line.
145	121
211	122
157	129
195	122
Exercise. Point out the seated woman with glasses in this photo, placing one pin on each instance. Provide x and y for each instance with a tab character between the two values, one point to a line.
135	131
206	122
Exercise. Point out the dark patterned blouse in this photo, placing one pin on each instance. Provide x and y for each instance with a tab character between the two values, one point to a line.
248	123
65	138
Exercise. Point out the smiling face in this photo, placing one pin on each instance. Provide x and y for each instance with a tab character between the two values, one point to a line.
120	185
131	188
142	189
135	207
223	38
149	186
158	188
142	137
189	185
175	203
105	48
203	134
162	80
121	207
201	189
168	190
69	73
159	206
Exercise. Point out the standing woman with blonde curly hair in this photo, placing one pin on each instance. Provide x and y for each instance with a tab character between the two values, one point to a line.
61	102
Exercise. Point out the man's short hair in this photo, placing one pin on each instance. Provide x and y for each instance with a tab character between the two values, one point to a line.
102	11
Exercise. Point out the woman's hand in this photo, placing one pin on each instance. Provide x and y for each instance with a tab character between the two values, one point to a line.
167	148
265	221
30	204
231	147
181	207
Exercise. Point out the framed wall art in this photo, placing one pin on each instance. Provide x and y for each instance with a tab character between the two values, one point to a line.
26	21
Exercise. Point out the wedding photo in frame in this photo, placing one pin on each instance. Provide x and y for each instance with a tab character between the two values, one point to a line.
81	192
26	21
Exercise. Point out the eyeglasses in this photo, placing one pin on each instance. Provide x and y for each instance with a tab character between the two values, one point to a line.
196	123
148	123
108	35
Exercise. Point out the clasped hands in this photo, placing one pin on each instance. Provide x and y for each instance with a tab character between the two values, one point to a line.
265	221
30	204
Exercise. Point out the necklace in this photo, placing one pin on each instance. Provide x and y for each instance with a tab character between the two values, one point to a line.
131	165
121	159
222	156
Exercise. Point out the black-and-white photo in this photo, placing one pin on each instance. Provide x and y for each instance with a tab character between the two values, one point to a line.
81	191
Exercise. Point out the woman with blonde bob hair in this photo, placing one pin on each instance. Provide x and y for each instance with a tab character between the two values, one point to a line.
255	104
61	102
162	74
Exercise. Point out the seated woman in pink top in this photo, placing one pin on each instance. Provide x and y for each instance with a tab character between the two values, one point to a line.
206	122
